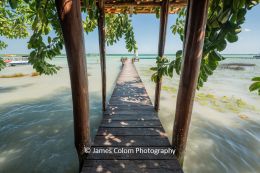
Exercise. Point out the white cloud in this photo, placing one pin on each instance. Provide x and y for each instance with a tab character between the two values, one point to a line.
247	30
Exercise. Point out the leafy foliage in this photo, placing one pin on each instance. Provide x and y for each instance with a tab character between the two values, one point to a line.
12	24
224	24
162	63
44	19
117	26
89	24
40	18
2	45
2	64
256	85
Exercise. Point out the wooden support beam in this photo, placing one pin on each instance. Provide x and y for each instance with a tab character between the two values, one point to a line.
121	4
144	4
193	49
161	46
102	49
69	12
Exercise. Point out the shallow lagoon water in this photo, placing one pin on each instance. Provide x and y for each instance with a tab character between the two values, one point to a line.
224	134
36	121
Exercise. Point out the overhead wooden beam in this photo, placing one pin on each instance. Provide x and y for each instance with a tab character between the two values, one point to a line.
69	12
192	54
140	7
176	4
102	49
162	38
133	3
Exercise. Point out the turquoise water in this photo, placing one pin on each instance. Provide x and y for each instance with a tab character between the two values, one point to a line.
36	121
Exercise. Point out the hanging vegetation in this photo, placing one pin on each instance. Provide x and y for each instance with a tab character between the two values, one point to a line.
21	16
12	24
223	26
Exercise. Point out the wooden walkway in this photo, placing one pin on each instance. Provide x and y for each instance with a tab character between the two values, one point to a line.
130	124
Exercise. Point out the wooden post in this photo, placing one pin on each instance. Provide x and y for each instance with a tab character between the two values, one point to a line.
69	12
193	49
161	46
102	49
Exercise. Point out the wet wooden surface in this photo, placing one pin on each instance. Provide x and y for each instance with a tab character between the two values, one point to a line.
130	124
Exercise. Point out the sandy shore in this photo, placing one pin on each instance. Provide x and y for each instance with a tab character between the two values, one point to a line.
28	87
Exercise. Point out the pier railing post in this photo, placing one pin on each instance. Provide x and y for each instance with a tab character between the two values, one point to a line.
161	46
69	12
102	49
193	49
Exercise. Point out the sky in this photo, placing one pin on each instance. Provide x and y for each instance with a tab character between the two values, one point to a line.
146	28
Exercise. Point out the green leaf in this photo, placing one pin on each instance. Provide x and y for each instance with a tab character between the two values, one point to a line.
231	38
49	39
179	53
238	30
154	68
236	4
221	45
223	18
215	24
2	64
13	3
170	71
256	79
241	14
255	86
207	70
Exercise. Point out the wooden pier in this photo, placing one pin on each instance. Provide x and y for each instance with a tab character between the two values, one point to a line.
130	120
130	123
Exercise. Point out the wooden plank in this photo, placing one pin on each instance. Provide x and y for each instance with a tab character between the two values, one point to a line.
125	90
133	96
130	117
132	166
130	112
110	106
129	170
129	123
128	141
70	20
131	100
140	123
150	131
130	107
131	153
133	103
194	40
152	164
129	93
102	49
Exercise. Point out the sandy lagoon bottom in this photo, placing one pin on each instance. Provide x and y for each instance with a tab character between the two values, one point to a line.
36	122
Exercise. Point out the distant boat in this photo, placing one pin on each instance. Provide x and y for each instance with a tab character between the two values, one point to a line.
257	56
13	61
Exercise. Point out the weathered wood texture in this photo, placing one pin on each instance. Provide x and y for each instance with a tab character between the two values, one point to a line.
70	20
130	123
141	6
193	49
102	49
161	46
